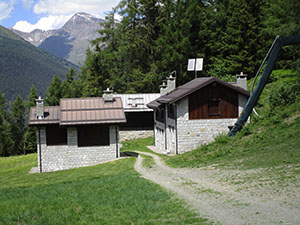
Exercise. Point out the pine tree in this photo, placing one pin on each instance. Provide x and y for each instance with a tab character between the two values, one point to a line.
17	120
54	92
6	141
243	41
30	142
70	88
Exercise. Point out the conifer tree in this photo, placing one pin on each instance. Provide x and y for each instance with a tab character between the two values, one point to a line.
243	40
54	92
30	142
6	141
17	120
70	88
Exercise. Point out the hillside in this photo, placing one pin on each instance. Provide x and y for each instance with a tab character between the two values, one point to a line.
22	65
69	42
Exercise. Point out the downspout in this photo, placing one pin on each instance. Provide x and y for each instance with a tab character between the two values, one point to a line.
176	143
154	124
40	149
117	141
166	110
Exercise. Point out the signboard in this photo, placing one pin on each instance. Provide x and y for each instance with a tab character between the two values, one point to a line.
195	64
191	65
199	64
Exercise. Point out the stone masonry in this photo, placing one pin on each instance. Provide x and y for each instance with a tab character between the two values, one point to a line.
126	135
190	133
69	156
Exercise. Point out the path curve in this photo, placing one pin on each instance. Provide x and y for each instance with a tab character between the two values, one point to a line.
218	201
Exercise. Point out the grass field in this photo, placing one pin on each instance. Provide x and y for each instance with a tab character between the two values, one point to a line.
111	193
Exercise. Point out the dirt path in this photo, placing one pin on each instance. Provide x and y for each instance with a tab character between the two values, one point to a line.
213	195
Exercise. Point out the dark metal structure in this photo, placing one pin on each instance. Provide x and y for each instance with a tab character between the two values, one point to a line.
272	54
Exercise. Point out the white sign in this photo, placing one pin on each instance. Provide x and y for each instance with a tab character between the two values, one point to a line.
195	64
199	64
191	65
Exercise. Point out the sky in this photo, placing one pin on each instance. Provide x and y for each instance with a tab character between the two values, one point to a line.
27	15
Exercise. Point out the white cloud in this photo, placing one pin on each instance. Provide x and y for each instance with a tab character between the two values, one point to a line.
27	3
59	11
45	23
6	9
62	7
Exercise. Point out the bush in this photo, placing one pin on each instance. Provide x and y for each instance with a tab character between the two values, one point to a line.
284	95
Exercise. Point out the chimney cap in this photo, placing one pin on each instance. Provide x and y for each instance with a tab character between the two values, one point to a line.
108	90
39	99
241	75
163	85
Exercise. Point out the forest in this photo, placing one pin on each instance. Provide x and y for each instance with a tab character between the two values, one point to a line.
156	37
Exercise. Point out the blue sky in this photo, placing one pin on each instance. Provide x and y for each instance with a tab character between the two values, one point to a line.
27	15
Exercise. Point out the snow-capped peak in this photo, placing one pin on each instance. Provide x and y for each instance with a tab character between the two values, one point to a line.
83	15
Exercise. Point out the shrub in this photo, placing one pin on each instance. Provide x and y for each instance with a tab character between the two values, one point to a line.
284	95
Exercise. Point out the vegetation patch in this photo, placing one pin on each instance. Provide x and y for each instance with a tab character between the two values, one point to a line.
138	145
111	193
148	161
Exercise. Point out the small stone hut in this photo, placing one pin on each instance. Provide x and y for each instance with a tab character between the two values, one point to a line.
79	132
196	112
139	117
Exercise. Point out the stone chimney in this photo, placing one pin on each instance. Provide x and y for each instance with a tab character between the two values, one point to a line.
171	83
241	80
170	86
40	108
163	89
108	95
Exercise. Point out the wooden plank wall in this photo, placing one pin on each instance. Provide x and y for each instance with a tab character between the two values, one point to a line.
212	96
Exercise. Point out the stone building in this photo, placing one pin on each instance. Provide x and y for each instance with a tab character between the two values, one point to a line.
79	132
139	117
196	112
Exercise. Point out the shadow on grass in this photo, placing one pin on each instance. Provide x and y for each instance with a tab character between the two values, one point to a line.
129	154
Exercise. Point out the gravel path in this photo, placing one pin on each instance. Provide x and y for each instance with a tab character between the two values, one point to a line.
228	196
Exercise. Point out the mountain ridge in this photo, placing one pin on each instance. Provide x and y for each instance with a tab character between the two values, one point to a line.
70	41
23	65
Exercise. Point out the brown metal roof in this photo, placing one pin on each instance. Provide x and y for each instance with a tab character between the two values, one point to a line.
91	111
51	116
81	111
190	87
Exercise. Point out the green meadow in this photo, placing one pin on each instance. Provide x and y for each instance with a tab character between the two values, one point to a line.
111	193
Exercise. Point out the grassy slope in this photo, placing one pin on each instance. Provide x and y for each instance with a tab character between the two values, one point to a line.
270	141
111	193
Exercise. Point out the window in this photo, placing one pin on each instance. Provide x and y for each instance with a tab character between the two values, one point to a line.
56	135
171	111
160	114
213	107
93	135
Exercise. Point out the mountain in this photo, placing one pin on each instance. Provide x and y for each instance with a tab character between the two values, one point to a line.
22	64
69	42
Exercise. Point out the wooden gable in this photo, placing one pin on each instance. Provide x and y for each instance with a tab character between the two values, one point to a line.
214	101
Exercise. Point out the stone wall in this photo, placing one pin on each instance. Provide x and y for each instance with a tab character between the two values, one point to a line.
126	135
190	133
193	133
71	156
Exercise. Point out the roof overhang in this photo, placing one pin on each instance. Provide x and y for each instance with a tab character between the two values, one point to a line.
190	87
